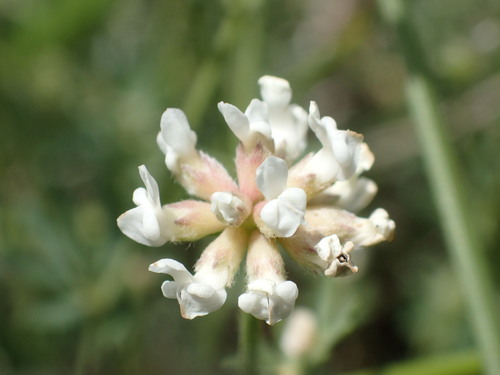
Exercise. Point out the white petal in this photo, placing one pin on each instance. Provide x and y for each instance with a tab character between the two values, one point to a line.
176	132
262	285
271	177
329	248
151	186
237	121
353	194
258	117
346	147
284	300
287	291
383	223
366	159
173	268
275	91
319	129
216	278
226	206
161	142
150	225
271	306
284	214
140	197
170	289
138	224
256	110
199	300
341	153
195	298
254	303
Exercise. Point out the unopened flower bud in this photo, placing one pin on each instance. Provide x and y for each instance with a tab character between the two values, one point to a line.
300	333
192	220
349	227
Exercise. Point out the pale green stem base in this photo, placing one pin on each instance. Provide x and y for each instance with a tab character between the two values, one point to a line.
248	343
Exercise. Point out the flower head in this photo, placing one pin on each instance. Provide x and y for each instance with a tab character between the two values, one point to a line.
304	207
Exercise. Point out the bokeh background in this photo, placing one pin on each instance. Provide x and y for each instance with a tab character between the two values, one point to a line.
82	87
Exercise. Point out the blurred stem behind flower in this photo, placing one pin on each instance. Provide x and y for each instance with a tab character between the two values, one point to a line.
442	169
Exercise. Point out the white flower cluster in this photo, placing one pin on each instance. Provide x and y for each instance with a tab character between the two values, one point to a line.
305	207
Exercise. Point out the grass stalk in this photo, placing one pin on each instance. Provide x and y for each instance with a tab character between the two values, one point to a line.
465	250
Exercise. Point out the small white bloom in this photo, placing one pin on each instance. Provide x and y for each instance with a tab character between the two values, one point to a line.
355	193
271	177
249	127
336	256
198	295
300	333
176	139
288	122
285	209
341	153
352	195
228	208
269	296
269	300
148	222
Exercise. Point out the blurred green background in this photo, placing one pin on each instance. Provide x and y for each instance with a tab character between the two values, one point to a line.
82	87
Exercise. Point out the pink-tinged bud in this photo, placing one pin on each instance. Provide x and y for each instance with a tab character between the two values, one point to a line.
301	248
299	176
205	177
323	254
264	260
246	167
192	220
349	227
223	256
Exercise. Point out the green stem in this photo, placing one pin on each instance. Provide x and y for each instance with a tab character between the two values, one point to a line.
248	343
465	249
83	355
